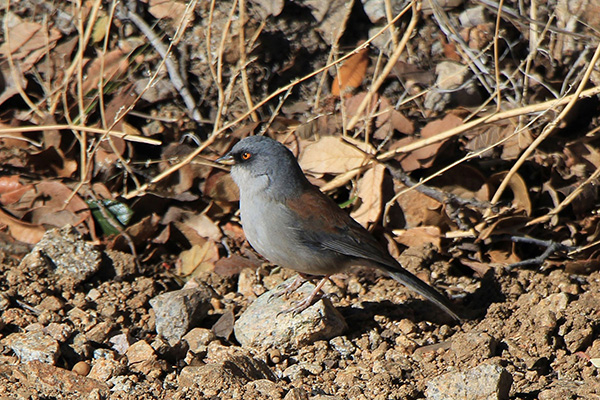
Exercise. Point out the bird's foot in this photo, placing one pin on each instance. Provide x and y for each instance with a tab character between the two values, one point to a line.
291	287
308	301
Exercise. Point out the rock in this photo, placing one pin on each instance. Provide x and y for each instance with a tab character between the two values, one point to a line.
104	369
64	252
99	332
484	382
51	381
473	345
51	303
296	394
472	16
233	369
142	358
122	264
198	338
34	346
59	332
264	325
344	346
4	302
265	389
81	368
179	311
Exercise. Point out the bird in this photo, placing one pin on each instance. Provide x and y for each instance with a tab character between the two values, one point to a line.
294	225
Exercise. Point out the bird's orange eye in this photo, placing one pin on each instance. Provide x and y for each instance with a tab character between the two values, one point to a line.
246	155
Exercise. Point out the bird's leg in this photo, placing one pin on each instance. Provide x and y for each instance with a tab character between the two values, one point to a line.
292	286
302	305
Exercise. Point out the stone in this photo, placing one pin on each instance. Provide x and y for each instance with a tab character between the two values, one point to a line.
265	324
198	338
104	369
51	381
34	346
178	311
64	252
484	382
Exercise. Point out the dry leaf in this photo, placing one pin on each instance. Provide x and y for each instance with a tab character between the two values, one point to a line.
420	236
167	9
22	231
419	209
200	258
369	192
331	155
518	186
351	73
425	156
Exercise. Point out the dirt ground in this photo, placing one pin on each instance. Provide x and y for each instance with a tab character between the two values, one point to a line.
538	326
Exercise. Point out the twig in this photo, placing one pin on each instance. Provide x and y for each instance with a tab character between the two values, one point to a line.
544	106
126	136
550	245
163	51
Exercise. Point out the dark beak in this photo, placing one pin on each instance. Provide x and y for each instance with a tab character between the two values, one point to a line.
227	159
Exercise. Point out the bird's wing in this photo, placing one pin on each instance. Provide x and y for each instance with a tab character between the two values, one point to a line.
322	224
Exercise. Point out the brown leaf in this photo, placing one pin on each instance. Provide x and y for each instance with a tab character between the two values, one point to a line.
389	119
22	231
115	64
419	209
518	186
331	155
369	192
425	156
200	258
351	73
420	236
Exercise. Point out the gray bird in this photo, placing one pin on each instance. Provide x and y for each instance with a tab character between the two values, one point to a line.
293	224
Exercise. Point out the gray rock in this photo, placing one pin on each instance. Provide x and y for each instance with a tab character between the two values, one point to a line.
232	370
34	346
179	311
64	252
264	324
484	382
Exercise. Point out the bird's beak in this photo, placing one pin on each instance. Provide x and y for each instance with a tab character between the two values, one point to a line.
227	159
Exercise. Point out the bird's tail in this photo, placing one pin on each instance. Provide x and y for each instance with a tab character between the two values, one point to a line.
412	282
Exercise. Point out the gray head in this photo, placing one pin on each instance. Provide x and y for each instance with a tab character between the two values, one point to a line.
261	164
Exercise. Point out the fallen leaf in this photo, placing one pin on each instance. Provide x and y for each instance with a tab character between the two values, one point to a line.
519	189
369	193
200	258
351	73
331	155
22	231
420	236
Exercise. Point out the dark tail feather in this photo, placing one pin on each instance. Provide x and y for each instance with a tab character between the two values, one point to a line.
414	283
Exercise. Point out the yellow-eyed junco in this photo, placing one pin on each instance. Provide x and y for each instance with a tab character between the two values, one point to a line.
294	225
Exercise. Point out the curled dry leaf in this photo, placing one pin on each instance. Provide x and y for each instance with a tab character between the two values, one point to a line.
115	64
351	74
419	209
167	9
369	192
518	186
389	120
22	231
